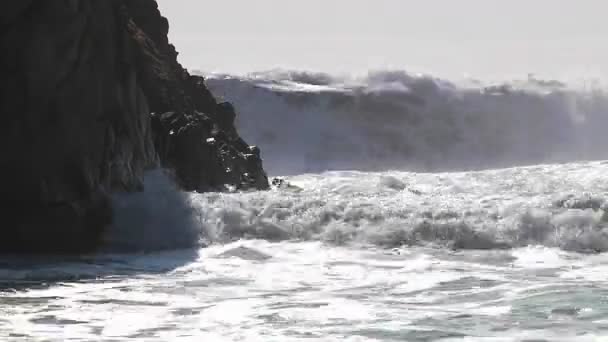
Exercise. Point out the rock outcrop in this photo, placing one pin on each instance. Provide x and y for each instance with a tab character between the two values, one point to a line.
92	96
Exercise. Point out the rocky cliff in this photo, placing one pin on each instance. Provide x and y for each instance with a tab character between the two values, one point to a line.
92	96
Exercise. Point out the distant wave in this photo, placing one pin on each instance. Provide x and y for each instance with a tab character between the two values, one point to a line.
313	122
307	123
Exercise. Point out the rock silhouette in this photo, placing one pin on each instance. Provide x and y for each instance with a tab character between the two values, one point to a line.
93	96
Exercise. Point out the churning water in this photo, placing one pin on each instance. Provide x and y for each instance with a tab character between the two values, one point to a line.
494	228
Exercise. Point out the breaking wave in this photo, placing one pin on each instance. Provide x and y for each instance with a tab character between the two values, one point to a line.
471	142
159	218
314	122
562	206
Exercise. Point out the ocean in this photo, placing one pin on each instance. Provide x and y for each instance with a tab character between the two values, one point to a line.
411	208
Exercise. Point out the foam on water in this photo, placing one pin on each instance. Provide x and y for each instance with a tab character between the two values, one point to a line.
338	256
311	291
560	205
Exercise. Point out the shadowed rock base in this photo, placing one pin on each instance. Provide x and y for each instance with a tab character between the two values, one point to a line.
61	228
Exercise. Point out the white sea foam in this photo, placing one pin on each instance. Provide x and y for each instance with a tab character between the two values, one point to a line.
551	205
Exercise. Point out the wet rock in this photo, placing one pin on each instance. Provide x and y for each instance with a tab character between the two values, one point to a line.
580	202
203	156
281	183
277	182
225	116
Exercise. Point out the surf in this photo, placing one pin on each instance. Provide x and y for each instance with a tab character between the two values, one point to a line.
392	120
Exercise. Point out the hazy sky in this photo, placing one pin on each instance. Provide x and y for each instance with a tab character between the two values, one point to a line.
480	38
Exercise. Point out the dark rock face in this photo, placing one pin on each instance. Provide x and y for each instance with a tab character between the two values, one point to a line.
193	134
80	81
205	157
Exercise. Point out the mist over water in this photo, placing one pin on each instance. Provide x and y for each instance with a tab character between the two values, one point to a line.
392	120
159	218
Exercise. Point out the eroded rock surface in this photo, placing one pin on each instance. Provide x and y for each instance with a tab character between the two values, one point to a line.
91	96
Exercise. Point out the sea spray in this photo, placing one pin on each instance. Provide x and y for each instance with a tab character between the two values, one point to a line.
157	218
311	122
561	206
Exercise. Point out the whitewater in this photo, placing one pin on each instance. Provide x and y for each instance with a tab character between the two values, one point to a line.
410	208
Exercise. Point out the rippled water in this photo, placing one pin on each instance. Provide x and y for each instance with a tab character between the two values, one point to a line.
261	291
500	255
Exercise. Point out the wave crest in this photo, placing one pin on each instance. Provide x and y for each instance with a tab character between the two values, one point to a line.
313	122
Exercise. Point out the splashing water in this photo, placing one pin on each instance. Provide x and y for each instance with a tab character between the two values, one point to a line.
435	251
306	122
